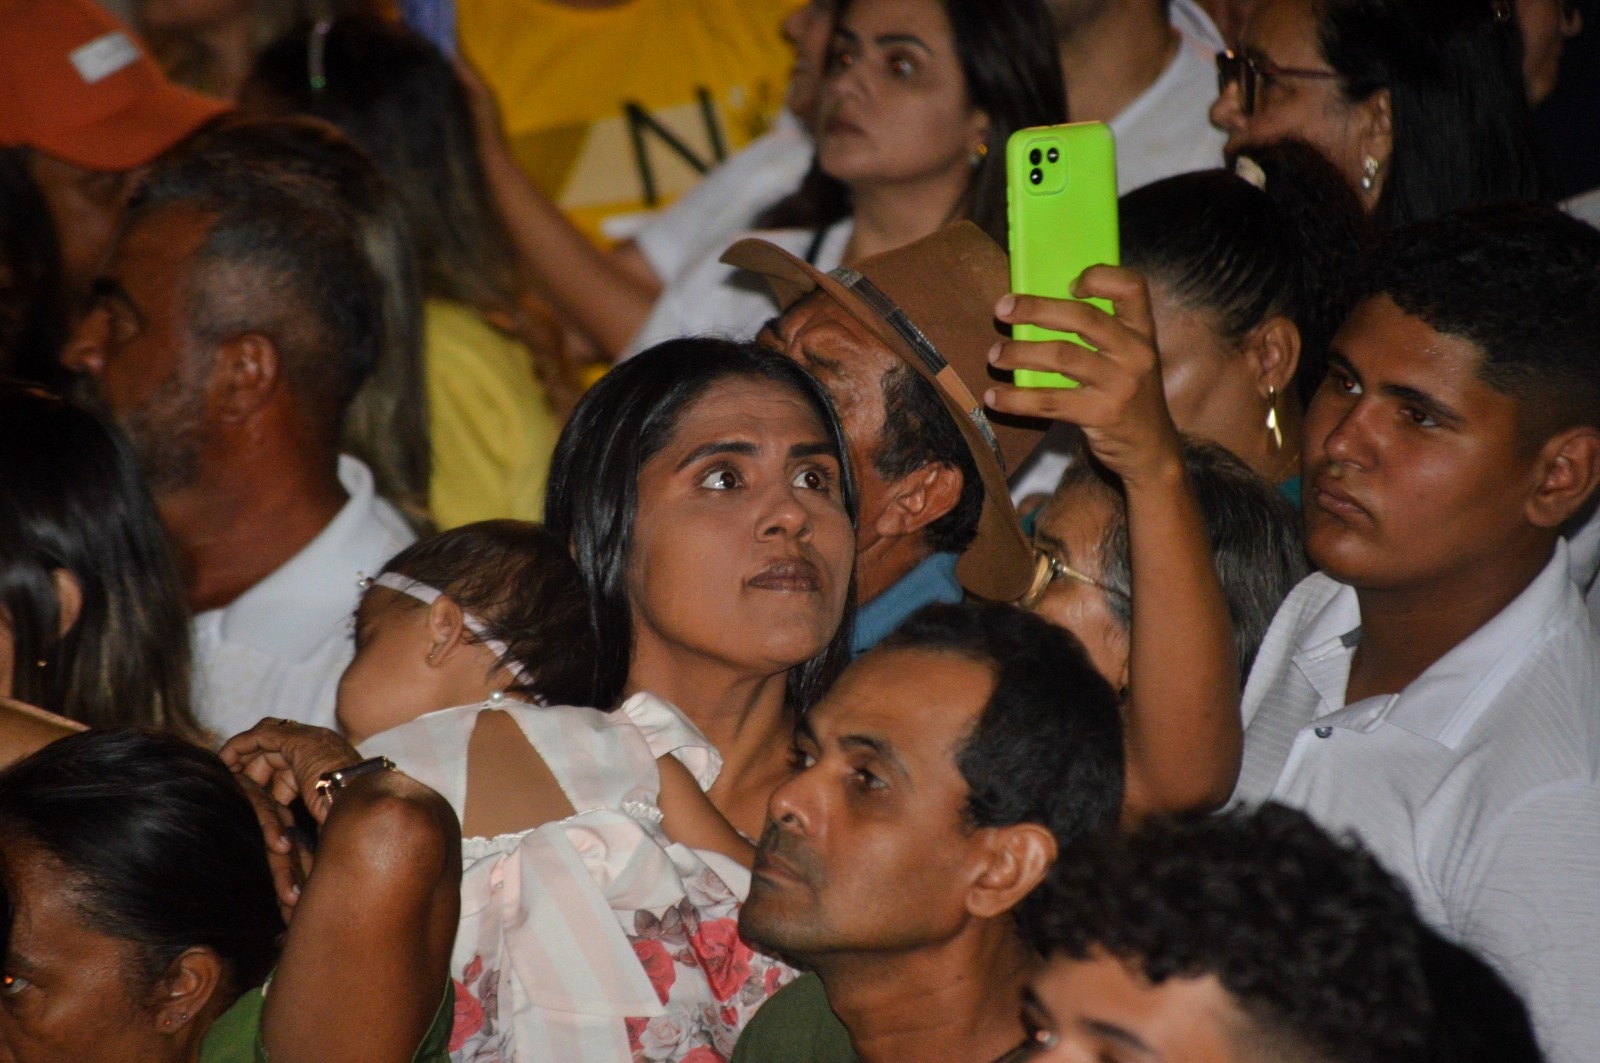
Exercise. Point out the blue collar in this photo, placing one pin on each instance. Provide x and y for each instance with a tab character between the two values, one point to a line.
934	580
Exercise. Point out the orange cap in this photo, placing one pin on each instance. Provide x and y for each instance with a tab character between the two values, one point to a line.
76	84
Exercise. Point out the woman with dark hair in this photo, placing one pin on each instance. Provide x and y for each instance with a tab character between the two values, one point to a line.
1249	278
33	317
90	604
704	490
491	369
1419	103
913	118
142	918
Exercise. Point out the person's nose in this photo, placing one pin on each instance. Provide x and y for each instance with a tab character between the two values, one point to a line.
1350	437
792	806
1227	110
85	351
784	513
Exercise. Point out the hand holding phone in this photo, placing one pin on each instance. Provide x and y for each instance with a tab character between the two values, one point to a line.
1061	197
1117	398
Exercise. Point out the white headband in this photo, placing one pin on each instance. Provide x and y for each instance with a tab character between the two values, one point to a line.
427	595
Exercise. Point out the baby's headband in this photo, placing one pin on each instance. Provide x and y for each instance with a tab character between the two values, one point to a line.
427	595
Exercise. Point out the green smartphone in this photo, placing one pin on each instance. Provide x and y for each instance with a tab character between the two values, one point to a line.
1061	200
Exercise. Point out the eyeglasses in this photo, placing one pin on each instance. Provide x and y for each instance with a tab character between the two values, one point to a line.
1047	568
1251	73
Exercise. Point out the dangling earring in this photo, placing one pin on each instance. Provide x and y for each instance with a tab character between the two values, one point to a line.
1272	418
976	156
1369	173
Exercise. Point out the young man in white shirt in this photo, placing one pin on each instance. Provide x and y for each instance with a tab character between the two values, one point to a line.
1436	687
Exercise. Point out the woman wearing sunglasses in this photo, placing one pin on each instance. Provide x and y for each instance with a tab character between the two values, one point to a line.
1420	103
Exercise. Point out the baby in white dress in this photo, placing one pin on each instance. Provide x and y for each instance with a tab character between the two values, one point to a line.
600	894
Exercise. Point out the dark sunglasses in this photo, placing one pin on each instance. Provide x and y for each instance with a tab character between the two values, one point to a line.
1251	73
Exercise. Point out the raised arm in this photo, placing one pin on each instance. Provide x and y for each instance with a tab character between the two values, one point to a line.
606	296
365	965
1181	716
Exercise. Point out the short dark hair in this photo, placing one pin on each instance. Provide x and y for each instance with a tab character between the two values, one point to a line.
162	847
1253	532
918	430
1462	132
593	495
1245	254
520	582
1047	747
1521	282
1477	1016
283	257
71	497
1314	940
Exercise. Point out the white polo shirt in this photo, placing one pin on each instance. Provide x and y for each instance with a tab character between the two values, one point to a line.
1478	784
280	647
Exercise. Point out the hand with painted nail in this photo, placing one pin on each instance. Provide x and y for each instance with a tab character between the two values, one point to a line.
1119	404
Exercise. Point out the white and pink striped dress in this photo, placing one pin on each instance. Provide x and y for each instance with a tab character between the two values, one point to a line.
594	939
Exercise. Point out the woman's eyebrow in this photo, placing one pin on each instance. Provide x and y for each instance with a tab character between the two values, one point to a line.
811	450
721	446
901	38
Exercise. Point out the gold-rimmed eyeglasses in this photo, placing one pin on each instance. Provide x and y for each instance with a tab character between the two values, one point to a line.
1047	568
1252	73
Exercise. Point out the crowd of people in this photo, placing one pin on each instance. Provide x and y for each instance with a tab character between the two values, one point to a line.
449	613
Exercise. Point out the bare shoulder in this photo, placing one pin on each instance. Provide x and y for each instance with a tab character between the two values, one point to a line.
25	730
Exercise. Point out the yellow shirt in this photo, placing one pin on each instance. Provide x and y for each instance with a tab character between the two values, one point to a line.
492	427
566	76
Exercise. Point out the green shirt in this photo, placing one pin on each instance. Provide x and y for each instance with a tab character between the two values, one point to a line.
796	1026
236	1035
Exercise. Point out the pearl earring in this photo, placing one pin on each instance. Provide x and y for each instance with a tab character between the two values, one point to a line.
1369	173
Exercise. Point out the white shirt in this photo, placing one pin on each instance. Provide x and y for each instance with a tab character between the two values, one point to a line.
726	201
1478	784
1167	130
280	647
714	299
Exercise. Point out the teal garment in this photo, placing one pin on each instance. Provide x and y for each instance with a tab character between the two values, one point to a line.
934	580
236	1035
1291	491
796	1026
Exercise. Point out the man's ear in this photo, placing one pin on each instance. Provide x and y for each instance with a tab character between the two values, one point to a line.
1016	859
186	989
246	371
447	627
1568	473
1273	348
918	499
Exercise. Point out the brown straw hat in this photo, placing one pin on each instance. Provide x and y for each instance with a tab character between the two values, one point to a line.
932	303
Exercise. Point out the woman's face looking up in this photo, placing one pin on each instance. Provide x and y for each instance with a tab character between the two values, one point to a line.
894	109
742	549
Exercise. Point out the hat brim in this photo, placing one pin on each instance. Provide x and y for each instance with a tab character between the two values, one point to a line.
138	134
998	563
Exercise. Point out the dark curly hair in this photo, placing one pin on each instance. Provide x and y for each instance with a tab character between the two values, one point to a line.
522	585
1316	943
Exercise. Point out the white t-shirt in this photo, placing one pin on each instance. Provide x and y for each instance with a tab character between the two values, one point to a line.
726	201
280	647
1478	784
714	299
1167	130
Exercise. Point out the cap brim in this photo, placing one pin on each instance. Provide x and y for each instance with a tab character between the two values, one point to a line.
138	134
998	564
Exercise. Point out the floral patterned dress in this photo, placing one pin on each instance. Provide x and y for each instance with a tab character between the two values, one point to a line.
594	939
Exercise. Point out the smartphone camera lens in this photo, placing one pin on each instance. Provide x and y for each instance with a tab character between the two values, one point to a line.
1054	155
1036	176
1034	156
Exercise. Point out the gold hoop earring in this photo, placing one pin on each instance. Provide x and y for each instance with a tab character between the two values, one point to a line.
1272	418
